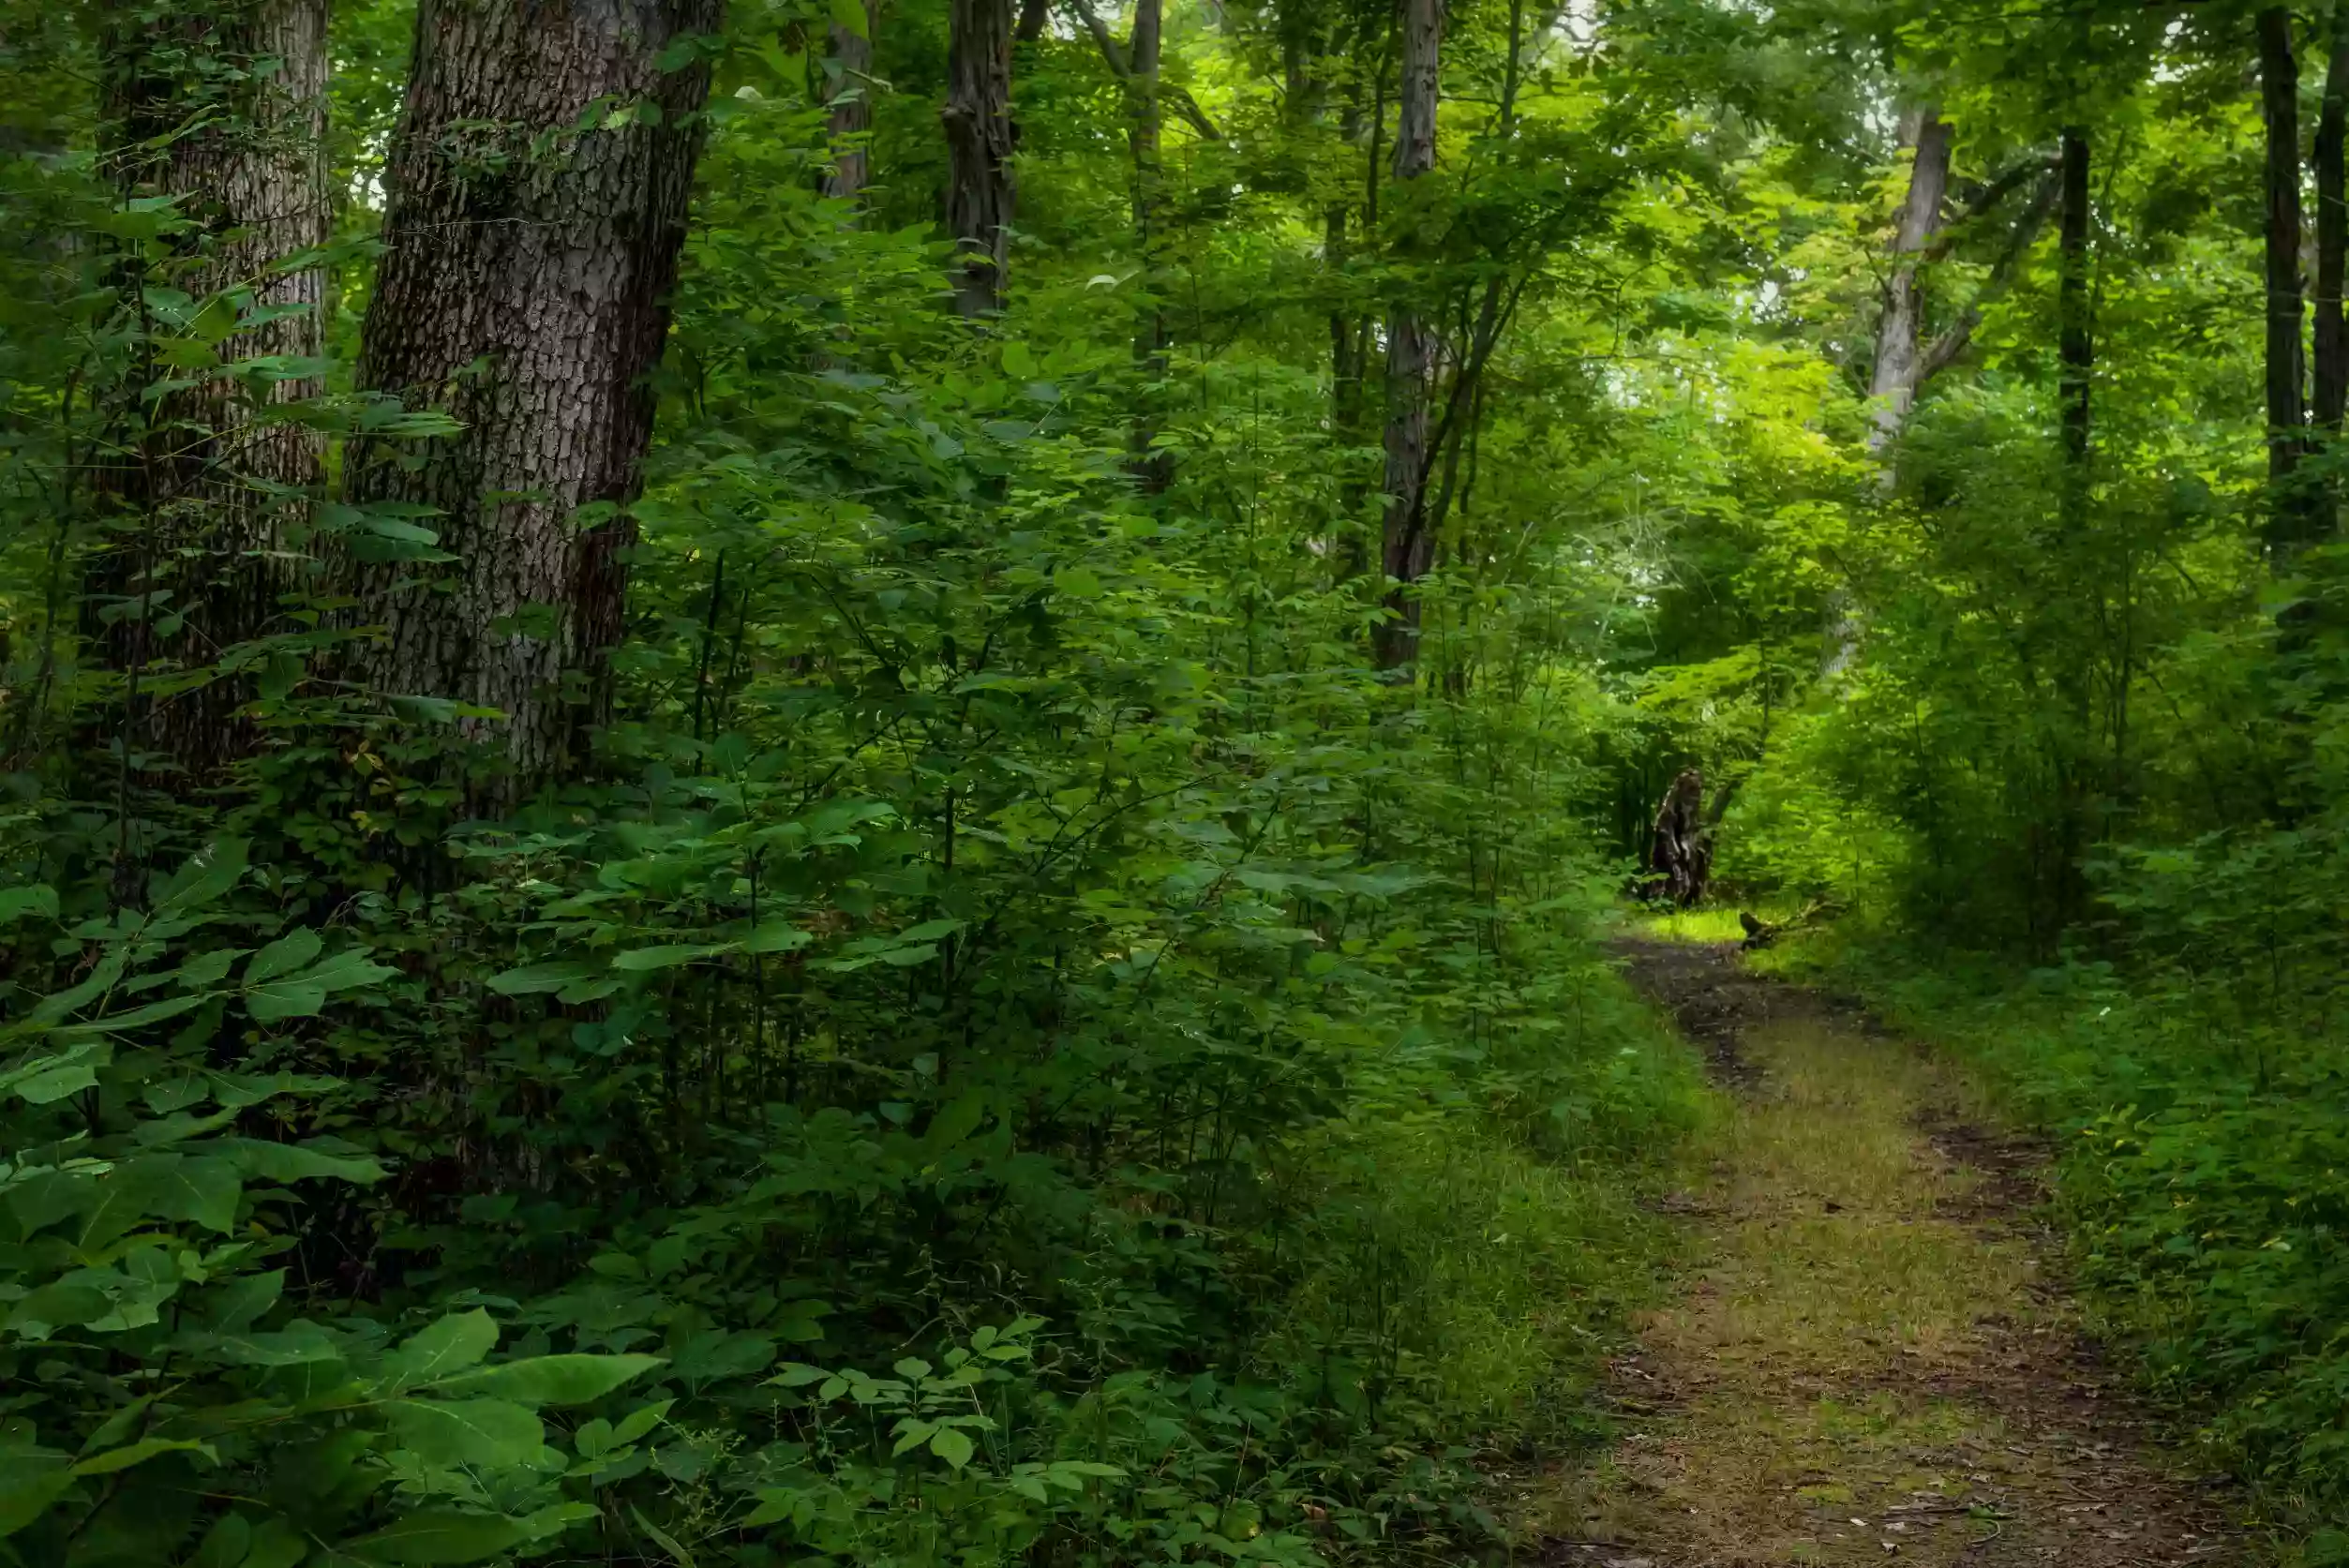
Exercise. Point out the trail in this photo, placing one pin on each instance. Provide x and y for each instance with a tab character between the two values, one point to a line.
1874	1360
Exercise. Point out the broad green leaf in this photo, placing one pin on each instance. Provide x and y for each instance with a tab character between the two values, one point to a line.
145	1449
293	1162
952	1446
533	979
439	1537
448	1347
289	952
496	1433
17	903
551	1380
668	957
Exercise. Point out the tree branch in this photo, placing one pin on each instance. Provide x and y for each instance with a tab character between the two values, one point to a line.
1121	66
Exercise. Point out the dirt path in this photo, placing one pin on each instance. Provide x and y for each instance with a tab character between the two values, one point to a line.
1872	1364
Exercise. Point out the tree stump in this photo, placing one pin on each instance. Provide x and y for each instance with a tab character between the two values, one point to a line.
1682	857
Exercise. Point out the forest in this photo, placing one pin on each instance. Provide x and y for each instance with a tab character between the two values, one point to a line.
855	781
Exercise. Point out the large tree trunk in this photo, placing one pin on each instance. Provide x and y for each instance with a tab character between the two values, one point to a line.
849	122
980	141
2075	347
1899	359
531	248
1680	859
1408	546
1152	466
195	568
2280	106
2330	393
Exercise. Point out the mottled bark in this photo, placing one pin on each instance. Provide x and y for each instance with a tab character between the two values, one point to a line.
2075	347
195	564
1680	855
1408	543
2280	109
1899	362
981	140
2330	392
532	244
849	122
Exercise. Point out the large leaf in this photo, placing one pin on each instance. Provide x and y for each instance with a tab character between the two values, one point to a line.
302	994
533	979
552	1380
437	1537
495	1433
17	903
292	951
448	1347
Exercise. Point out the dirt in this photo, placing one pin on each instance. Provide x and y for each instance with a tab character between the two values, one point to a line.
1873	1358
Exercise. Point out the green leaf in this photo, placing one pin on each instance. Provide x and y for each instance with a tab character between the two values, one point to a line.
293	1162
285	955
952	1446
450	1346
203	1190
490	1432
440	1537
533	979
776	936
17	903
50	1075
145	1449
666	957
303	994
552	1380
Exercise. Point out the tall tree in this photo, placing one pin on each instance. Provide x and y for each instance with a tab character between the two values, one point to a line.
850	121
2076	345
1892	386
221	108
1408	543
2280	109
980	139
538	185
2330	389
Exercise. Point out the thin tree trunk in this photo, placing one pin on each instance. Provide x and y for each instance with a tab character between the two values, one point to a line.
1034	15
2280	107
206	500
1152	466
849	122
1407	545
531	251
1899	365
2075	341
2331	383
980	142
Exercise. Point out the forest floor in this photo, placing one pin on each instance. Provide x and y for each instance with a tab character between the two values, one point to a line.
1871	1357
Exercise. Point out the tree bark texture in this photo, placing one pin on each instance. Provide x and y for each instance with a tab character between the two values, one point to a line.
204	500
1153	467
2330	389
980	139
1899	360
1680	860
1407	545
849	122
2075	345
2280	108
524	290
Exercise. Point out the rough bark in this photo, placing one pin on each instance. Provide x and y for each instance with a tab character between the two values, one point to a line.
2075	347
980	139
848	124
1407	545
1899	363
207	496
2330	392
1151	465
524	289
1034	15
1680	859
2280	108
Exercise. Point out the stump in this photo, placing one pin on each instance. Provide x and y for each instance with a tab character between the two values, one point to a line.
1683	855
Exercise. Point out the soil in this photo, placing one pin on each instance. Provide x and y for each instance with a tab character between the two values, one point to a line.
1874	1357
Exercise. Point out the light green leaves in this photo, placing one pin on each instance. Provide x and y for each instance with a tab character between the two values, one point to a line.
277	988
554	1380
494	1433
450	1346
17	903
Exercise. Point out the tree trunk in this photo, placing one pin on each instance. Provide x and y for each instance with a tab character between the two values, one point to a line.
531	248
850	123
1034	14
195	570
1680	860
1899	363
2075	340
2331	388
1409	548
980	142
2280	107
1152	466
